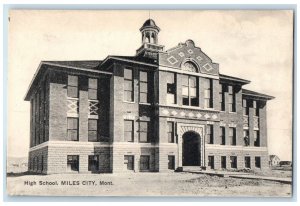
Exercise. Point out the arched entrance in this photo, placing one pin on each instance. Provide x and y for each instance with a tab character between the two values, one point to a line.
191	149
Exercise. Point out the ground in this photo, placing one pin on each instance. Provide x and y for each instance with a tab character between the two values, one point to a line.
143	184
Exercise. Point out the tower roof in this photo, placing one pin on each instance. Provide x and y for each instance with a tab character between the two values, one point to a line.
150	23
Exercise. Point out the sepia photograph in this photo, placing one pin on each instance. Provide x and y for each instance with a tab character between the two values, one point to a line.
150	103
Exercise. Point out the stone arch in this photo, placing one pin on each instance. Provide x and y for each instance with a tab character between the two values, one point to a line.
183	128
191	61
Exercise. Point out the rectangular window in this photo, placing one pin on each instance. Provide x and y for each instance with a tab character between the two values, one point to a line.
246	137
211	162
193	91
93	163
72	163
144	87
185	89
223	162
247	162
72	129
93	89
129	162
144	131
232	135
144	162
233	162
171	162
210	134
171	132
222	135
171	88
256	108
42	163
128	85
128	130
207	83
189	91
256	138
231	99
72	88
221	97
245	107
93	130
257	162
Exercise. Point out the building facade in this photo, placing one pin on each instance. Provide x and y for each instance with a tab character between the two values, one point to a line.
156	111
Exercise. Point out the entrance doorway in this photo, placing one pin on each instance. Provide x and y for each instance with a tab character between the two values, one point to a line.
191	149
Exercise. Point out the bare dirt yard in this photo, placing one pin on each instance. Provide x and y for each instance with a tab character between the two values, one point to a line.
143	184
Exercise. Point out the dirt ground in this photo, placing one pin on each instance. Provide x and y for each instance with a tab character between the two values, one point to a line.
144	184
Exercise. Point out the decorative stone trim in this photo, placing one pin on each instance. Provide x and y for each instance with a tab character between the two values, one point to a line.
199	129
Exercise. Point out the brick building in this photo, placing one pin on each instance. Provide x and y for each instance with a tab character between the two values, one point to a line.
155	111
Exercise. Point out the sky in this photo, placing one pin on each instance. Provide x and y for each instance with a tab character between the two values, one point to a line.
254	45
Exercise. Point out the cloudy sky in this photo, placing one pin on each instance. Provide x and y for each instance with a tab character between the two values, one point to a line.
255	45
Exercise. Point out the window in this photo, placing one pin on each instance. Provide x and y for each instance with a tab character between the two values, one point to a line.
72	89
38	163
207	93
42	163
72	129
231	99
128	130
93	130
223	162
171	88
233	161
128	85
93	89
232	135
222	135
93	163
246	137
245	107
171	162
189	91
210	135
144	87
171	132
144	162
257	162
129	162
256	108
211	163
144	131
221	97
247	162
73	163
256	138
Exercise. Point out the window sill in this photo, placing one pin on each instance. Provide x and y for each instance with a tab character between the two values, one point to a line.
232	112
73	98
144	103
128	102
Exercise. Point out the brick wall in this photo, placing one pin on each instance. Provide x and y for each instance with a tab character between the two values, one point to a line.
121	149
240	153
38	160
58	106
57	156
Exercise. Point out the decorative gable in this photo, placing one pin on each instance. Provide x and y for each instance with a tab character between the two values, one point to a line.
189	58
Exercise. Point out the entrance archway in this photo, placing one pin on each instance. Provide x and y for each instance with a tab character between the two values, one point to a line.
191	149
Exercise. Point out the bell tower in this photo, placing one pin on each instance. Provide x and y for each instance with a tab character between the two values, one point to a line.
150	46
149	32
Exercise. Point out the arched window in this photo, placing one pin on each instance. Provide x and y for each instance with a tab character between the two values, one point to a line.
189	66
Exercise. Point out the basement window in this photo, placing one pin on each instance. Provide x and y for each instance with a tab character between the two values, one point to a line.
233	162
257	162
72	163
